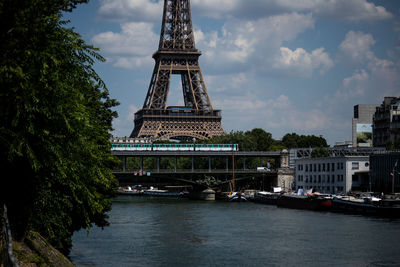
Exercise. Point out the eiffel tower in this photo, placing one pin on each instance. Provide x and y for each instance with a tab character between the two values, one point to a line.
177	55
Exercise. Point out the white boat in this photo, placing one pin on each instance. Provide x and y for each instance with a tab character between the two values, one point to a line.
129	191
236	197
162	192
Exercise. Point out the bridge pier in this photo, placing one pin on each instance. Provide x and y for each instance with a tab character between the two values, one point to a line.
227	163
192	164
141	163
175	160
158	164
209	163
124	163
244	163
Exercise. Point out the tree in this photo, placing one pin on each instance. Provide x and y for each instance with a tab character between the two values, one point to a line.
262	139
55	120
294	140
320	152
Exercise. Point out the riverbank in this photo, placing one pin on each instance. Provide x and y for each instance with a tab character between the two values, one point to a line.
36	251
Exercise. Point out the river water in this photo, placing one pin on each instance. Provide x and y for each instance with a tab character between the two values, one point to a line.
176	232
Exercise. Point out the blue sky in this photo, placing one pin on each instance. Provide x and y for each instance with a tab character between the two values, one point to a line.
281	65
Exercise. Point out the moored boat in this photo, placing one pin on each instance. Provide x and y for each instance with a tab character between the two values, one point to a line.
366	206
236	197
129	191
266	197
164	192
307	202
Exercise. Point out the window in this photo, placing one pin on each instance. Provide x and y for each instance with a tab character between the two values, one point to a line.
354	166
319	167
333	167
319	178
327	178
328	167
323	167
315	167
333	178
306	167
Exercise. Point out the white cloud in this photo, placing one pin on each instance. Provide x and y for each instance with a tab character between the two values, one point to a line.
131	10
135	38
131	48
356	47
123	125
303	63
355	10
277	115
354	86
244	45
151	10
385	76
377	78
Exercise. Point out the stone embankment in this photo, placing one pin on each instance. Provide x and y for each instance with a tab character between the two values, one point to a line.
36	251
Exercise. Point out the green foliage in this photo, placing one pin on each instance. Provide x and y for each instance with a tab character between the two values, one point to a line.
320	152
55	121
254	140
294	140
208	181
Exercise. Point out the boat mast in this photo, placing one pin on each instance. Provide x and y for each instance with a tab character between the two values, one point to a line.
233	170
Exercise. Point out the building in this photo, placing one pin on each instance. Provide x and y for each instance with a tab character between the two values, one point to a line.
386	122
384	172
334	175
362	125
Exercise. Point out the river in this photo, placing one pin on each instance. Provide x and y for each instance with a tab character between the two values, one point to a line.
177	232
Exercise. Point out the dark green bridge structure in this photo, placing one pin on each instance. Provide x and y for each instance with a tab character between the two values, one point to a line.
174	176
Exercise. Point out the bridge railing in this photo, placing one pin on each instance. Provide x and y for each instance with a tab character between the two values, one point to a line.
7	257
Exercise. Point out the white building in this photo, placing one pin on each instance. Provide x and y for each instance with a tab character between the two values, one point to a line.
334	175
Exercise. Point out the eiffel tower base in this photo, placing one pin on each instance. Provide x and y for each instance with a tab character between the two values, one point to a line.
162	125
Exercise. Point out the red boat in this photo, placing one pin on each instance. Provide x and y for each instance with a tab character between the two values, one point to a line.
306	202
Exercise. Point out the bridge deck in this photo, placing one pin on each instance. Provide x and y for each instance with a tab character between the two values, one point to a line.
275	154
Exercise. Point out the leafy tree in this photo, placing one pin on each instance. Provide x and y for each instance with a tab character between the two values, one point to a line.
262	139
294	140
320	152
55	120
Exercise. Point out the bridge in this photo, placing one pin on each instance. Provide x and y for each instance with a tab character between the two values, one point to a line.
159	175
205	154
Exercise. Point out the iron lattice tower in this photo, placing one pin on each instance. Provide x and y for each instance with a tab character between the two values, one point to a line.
177	55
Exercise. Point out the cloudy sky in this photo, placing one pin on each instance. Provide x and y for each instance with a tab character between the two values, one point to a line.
281	65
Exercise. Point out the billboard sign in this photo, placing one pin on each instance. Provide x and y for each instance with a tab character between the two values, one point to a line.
364	134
